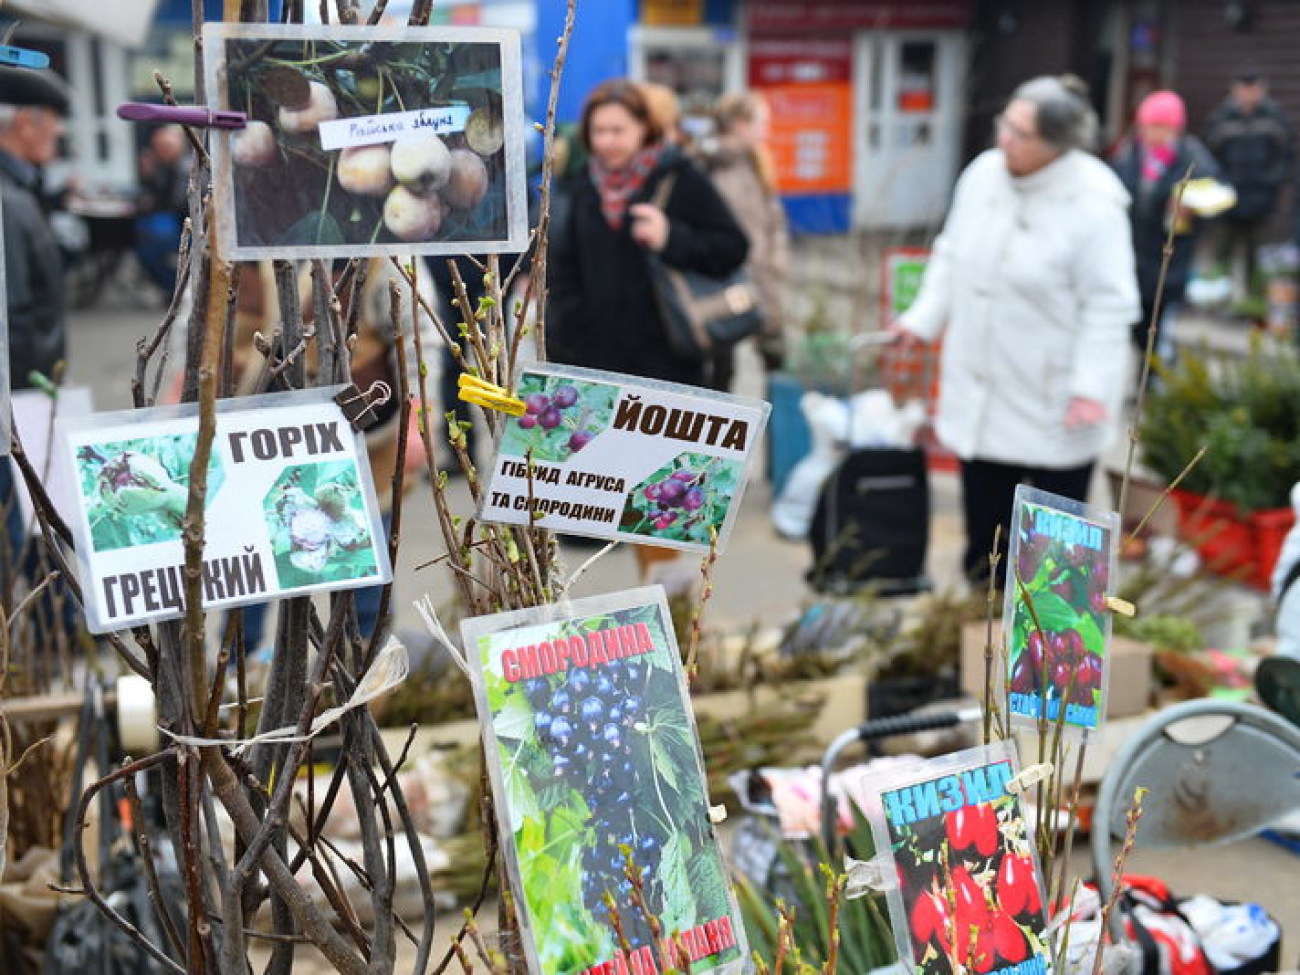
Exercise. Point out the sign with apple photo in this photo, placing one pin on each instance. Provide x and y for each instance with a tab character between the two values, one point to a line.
595	762
367	141
289	458
1057	621
969	896
620	457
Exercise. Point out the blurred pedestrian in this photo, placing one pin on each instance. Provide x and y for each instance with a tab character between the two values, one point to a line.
1255	146
163	204
373	358
1150	162
448	389
1032	281
739	163
666	111
33	105
602	311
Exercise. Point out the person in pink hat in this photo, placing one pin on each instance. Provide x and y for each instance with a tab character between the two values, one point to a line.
1150	161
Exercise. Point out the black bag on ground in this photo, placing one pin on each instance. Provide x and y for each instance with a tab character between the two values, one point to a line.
871	526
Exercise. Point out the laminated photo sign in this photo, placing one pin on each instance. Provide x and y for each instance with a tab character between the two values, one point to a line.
969	894
595	761
1058	625
290	506
619	457
367	141
34	413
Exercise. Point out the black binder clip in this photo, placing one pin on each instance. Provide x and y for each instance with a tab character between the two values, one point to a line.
359	407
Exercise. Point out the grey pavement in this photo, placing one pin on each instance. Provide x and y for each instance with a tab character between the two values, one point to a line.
759	579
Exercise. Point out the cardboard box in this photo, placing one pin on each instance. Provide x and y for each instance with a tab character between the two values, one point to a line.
1128	689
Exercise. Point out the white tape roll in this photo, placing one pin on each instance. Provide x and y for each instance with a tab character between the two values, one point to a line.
137	716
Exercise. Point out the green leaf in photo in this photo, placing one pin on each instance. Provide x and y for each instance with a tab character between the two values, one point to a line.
1092	636
514	719
1054	612
680	911
709	882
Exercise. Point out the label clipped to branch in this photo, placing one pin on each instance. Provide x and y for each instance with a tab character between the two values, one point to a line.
290	506
970	894
1061	562
619	457
599	788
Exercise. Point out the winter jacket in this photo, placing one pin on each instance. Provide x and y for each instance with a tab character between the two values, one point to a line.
1256	152
33	277
602	312
1286	591
1033	279
761	216
1150	214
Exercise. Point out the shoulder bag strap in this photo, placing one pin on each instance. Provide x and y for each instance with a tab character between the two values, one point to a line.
1292	575
664	191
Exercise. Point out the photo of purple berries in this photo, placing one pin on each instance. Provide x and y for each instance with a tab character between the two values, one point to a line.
562	416
685	500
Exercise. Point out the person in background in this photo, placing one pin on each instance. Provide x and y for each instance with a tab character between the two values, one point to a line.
741	169
162	205
666	110
373	359
448	388
602	311
1150	162
32	108
33	105
1033	280
1255	146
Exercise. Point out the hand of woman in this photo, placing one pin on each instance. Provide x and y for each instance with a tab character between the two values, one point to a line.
1081	412
649	226
902	337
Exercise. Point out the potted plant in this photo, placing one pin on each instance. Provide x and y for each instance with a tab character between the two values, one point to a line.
1245	412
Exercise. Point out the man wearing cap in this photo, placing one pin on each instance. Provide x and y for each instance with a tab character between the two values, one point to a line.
1254	144
32	108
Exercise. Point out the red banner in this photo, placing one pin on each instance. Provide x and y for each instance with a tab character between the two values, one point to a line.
774	61
784	16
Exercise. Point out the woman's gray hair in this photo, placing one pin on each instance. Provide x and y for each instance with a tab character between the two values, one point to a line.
1064	115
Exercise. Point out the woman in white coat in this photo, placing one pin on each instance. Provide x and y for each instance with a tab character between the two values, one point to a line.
1032	283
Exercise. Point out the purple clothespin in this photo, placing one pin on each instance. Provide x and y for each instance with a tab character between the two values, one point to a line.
185	115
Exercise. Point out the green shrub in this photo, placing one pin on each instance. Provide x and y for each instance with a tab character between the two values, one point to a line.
1246	412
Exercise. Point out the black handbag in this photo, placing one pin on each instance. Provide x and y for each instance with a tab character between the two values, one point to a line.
699	311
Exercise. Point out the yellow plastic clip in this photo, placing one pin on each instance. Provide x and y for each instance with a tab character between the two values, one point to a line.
483	393
1121	606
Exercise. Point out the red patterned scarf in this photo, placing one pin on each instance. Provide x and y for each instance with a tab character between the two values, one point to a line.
616	186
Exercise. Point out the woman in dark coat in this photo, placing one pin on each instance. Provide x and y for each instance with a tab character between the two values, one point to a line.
602	311
1150	162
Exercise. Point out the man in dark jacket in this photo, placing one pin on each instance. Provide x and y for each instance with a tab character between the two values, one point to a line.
33	105
1254	145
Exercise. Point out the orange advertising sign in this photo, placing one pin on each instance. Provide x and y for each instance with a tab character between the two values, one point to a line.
811	137
672	13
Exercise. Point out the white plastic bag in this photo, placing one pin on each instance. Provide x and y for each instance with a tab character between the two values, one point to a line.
828	419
